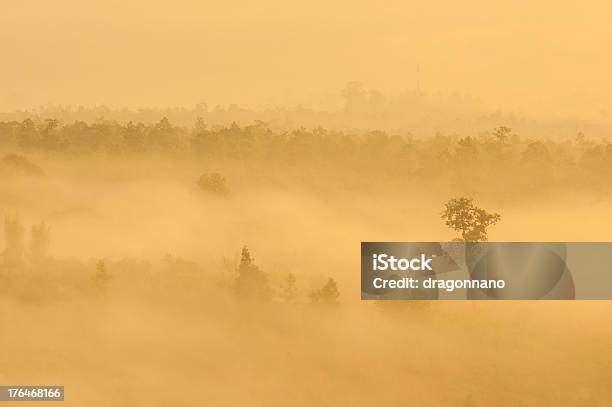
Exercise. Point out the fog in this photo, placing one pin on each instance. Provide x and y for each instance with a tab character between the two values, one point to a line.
184	187
135	300
536	58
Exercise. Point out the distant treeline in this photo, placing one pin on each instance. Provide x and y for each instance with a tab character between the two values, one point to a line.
496	159
355	109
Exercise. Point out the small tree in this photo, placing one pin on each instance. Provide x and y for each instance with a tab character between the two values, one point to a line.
290	290
251	283
502	134
463	216
101	273
327	295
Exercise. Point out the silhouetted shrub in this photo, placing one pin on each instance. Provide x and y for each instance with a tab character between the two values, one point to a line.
213	182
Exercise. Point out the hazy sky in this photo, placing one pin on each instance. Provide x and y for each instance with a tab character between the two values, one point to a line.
535	56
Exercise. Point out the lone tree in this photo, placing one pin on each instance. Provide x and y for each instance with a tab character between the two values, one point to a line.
251	283
463	216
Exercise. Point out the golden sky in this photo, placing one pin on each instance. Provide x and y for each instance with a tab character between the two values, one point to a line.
533	56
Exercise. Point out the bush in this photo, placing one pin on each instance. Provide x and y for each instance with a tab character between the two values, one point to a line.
213	182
